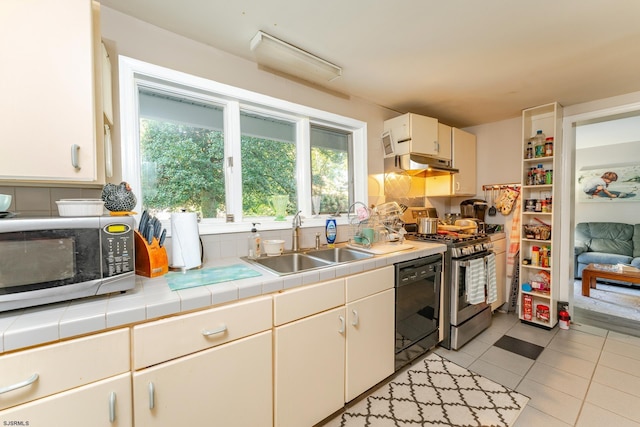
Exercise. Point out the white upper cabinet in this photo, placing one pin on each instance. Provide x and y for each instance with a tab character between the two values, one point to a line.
463	183
413	133
49	91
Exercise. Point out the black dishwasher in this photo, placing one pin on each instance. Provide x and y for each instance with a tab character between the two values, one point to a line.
417	285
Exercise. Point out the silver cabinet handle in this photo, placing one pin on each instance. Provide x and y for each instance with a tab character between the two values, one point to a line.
152	396
112	407
341	330
436	146
75	162
32	379
356	319
209	332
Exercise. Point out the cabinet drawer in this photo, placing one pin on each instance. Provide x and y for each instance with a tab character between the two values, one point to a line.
499	245
369	283
90	405
302	302
167	339
63	366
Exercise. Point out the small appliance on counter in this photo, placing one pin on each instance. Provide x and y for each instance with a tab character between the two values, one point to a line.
474	209
45	260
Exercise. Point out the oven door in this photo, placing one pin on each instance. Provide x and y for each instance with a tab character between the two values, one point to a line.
461	309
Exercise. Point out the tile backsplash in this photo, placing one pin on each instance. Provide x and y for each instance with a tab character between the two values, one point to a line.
41	201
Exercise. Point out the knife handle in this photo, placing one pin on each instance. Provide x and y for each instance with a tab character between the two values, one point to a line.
150	233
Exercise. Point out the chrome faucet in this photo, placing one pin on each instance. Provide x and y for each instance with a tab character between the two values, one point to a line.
296	223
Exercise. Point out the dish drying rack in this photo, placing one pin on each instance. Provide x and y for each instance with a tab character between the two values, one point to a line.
384	220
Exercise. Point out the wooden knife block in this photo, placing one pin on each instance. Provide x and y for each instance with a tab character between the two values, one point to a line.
151	259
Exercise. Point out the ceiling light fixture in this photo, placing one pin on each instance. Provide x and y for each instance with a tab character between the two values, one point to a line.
281	56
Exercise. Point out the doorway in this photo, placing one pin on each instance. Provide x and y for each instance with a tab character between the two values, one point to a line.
596	139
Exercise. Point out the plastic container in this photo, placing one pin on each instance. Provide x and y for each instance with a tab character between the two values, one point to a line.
542	313
273	247
538	144
254	243
80	207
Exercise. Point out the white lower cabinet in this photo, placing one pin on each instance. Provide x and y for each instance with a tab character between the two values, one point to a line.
370	342
332	342
104	403
309	369
80	382
208	368
228	385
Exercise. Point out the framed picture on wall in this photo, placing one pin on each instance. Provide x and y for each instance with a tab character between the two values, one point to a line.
609	183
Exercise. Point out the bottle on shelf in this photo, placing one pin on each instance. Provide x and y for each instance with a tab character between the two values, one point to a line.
538	142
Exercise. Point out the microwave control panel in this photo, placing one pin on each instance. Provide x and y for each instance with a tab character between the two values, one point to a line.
117	249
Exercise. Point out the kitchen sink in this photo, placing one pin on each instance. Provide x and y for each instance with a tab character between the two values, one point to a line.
289	263
296	262
338	255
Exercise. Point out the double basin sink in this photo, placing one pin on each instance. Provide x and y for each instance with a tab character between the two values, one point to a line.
297	262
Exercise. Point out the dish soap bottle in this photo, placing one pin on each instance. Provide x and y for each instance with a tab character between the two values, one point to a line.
254	243
331	232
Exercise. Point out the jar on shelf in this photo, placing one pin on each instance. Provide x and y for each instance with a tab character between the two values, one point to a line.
548	146
529	152
542	313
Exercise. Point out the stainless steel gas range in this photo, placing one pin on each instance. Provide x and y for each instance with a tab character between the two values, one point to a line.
461	320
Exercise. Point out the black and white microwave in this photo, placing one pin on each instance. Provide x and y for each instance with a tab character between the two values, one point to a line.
45	260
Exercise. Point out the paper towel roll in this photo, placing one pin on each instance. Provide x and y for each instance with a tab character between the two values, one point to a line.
185	241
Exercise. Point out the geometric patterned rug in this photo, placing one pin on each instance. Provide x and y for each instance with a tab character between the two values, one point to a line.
434	392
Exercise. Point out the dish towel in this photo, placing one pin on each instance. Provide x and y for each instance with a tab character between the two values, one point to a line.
492	287
476	278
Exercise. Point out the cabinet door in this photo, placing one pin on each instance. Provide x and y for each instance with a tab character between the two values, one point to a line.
463	155
370	342
501	279
309	369
464	159
47	86
229	385
104	403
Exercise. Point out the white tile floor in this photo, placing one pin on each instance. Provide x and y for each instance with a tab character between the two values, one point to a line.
585	376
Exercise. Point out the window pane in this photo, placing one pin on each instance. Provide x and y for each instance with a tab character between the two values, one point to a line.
182	152
330	172
268	152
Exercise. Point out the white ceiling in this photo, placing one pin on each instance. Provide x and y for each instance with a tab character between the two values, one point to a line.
466	62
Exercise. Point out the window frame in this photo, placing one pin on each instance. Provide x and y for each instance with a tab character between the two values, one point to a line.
133	73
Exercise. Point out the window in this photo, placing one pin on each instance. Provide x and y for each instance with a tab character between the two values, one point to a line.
330	172
191	143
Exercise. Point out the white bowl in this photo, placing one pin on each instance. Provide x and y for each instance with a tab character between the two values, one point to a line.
80	207
273	247
5	202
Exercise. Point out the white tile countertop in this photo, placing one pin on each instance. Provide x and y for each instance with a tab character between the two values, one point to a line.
152	299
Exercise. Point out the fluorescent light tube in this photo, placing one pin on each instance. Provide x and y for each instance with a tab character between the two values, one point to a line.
281	56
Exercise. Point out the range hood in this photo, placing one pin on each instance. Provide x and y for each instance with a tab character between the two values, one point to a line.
415	164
